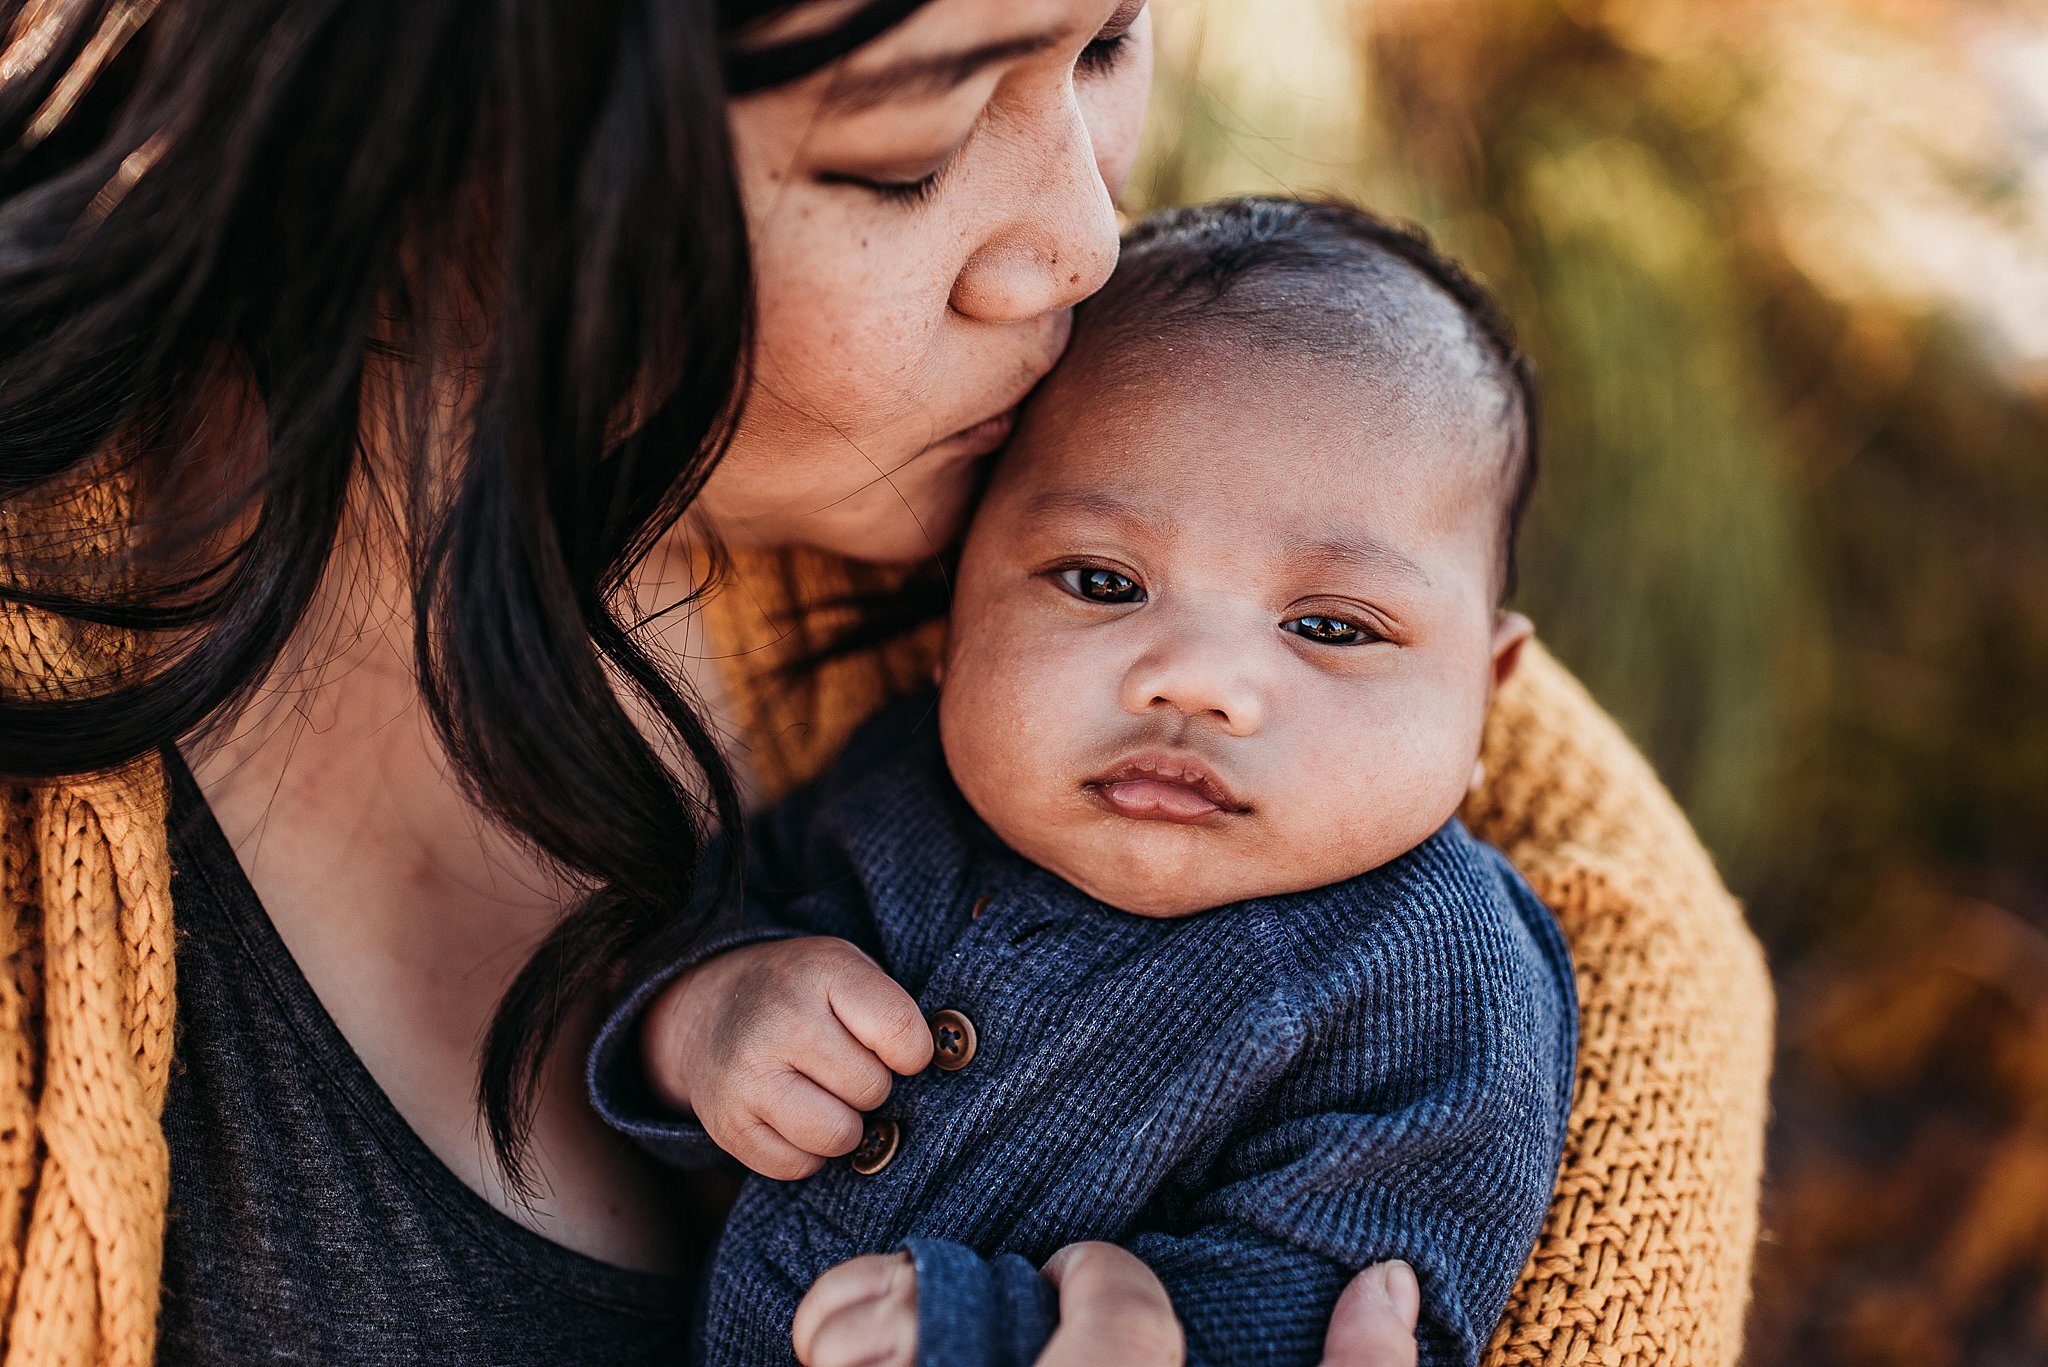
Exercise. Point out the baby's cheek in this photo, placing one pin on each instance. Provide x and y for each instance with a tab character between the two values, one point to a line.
1370	792
999	731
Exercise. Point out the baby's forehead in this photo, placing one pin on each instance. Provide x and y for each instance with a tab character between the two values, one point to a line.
1251	450
1377	328
1371	400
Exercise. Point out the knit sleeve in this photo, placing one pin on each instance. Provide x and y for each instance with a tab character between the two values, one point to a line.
1453	1181
1645	1258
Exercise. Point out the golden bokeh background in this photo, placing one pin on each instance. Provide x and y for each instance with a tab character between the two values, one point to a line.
1783	265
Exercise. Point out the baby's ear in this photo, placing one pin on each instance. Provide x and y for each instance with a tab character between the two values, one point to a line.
1511	631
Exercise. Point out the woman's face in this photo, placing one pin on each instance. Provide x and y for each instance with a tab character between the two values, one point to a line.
923	216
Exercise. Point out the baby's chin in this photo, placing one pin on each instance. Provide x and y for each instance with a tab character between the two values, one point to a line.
1168	884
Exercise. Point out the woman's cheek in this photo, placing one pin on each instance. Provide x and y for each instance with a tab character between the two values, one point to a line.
839	317
838	355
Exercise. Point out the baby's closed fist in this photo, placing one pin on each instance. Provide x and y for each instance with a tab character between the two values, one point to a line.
777	1048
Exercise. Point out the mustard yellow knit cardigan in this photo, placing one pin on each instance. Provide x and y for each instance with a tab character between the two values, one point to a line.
1645	1256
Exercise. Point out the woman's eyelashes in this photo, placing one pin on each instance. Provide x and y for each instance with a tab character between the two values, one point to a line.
1098	58
1101	56
1107	49
1099	584
907	192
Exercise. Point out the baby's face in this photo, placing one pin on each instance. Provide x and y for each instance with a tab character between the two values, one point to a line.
1226	626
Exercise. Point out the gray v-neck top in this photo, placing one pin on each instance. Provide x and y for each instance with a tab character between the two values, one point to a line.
308	1222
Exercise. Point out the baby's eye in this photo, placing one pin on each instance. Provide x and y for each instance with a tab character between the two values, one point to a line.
1099	585
1331	631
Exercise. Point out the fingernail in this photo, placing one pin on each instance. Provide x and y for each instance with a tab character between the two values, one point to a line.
1397	1281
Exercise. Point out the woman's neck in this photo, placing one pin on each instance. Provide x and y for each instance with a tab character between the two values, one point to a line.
409	910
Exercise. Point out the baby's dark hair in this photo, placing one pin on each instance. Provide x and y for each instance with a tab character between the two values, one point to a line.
1281	271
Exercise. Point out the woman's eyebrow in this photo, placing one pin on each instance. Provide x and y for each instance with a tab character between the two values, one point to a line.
926	74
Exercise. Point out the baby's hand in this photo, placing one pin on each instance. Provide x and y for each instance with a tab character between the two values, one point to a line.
777	1048
862	1313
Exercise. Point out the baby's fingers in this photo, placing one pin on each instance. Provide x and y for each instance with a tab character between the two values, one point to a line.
881	1015
1374	1323
754	1142
847	1069
810	1117
1113	1309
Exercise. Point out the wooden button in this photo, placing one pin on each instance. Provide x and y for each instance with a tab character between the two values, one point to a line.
878	1143
980	905
953	1041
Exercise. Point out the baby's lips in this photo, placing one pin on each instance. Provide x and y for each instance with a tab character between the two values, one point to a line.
1157	769
1160	785
1147	799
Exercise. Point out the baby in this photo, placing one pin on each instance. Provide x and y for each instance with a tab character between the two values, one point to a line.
1161	907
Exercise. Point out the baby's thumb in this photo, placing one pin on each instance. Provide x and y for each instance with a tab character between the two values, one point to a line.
1374	1323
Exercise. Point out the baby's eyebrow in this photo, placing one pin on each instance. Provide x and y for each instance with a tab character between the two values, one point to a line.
1127	517
1358	551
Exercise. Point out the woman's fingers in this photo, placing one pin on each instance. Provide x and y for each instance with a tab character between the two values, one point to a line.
1112	1309
1374	1323
862	1313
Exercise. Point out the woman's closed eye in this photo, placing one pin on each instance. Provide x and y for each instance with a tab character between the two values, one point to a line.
914	190
1100	584
1108	47
1331	631
1102	55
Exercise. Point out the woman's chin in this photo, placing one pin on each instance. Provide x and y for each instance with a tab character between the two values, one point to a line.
915	511
894	523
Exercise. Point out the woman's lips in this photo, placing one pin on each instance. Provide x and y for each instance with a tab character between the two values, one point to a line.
1164	787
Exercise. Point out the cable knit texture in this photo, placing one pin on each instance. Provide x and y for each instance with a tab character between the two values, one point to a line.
1644	1257
85	1003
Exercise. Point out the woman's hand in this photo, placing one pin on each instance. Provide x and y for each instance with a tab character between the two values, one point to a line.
863	1313
1112	1309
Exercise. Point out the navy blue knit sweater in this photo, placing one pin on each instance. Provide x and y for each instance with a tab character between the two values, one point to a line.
1257	1100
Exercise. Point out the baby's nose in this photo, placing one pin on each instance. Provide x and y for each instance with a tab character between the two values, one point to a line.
1197	676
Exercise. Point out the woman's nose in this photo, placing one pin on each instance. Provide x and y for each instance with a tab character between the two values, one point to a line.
1197	676
1057	245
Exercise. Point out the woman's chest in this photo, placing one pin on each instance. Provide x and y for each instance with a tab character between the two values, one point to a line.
311	1210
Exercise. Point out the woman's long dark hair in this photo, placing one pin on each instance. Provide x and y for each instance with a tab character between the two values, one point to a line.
223	212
